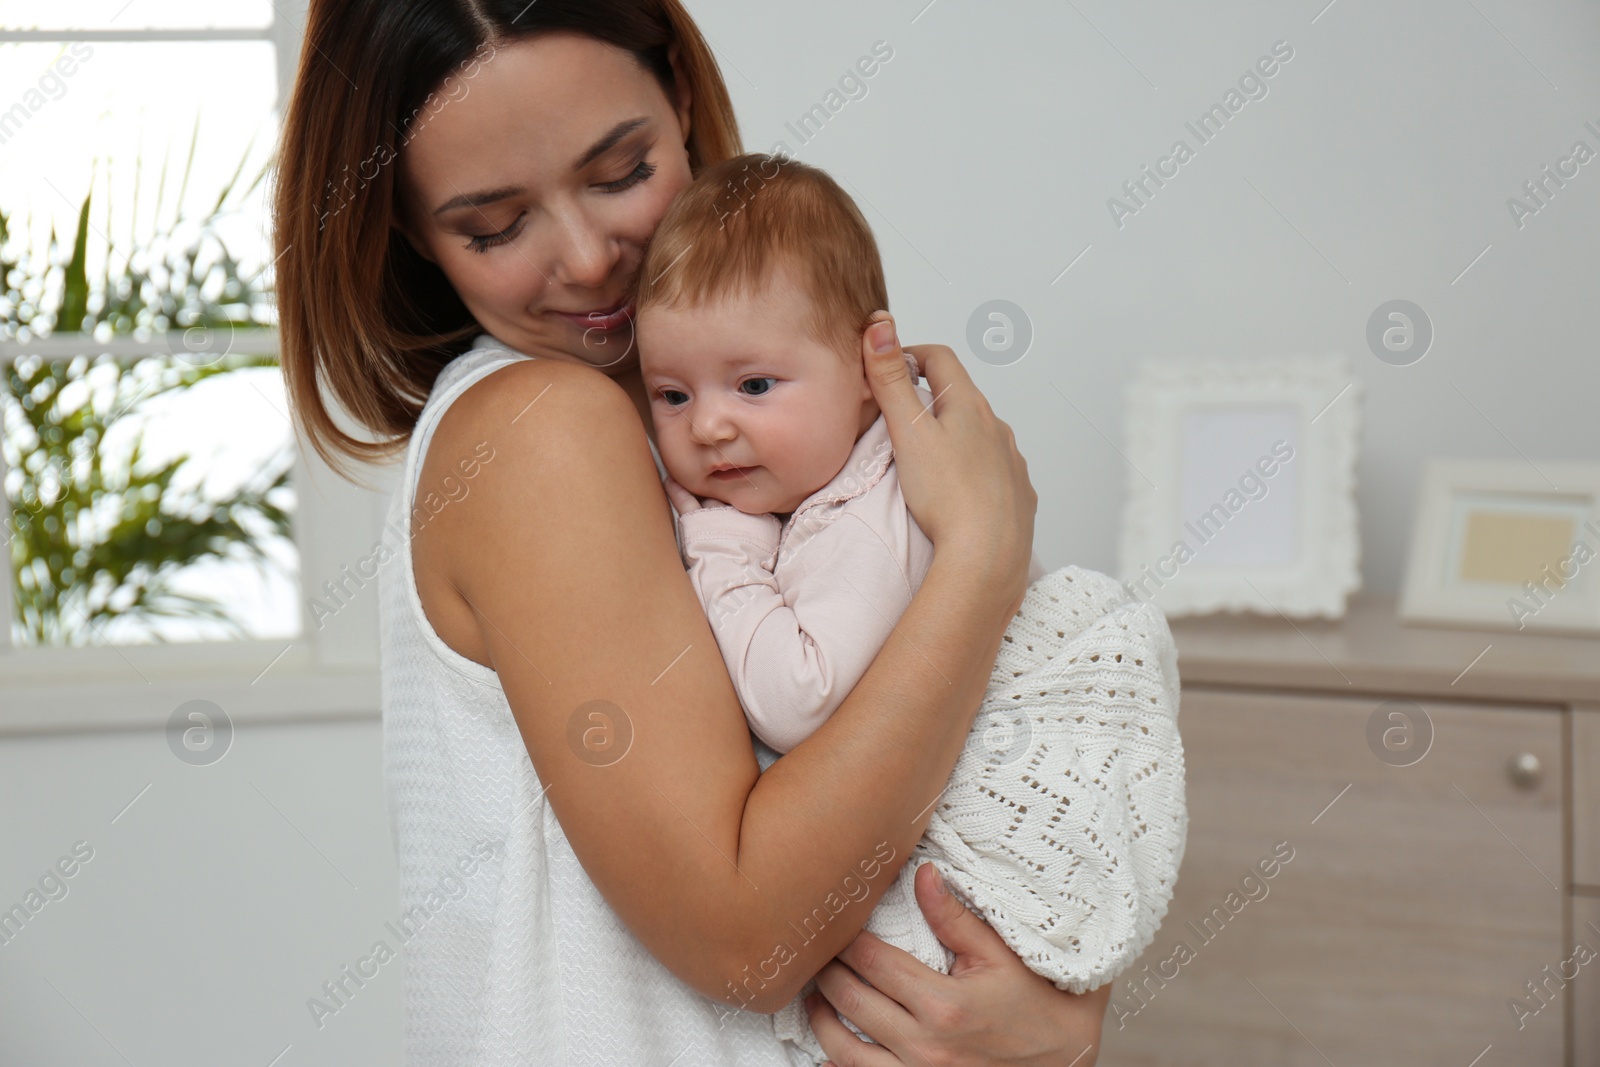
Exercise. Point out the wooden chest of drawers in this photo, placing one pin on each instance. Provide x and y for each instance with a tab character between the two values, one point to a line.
1437	794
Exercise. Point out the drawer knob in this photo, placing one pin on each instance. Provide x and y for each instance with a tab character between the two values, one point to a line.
1524	770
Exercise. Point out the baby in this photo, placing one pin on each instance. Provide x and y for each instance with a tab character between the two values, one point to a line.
1063	823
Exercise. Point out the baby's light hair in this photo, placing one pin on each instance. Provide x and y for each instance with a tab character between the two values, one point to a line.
742	219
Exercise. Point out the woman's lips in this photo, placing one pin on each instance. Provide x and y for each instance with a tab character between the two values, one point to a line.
608	320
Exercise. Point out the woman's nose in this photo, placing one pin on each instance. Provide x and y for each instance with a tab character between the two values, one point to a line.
585	257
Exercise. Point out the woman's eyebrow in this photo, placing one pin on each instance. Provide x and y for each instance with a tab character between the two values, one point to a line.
609	141
478	199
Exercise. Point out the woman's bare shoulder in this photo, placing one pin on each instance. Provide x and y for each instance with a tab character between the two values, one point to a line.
532	392
543	465
539	414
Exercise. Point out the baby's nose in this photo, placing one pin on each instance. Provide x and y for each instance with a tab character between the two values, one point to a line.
713	427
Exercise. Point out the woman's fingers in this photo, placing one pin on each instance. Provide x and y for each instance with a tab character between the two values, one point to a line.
991	1009
878	1016
974	942
892	385
896	972
960	472
946	375
843	1047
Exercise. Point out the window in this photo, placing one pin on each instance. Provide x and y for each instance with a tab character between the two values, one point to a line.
162	520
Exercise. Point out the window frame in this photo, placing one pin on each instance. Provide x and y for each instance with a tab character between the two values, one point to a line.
330	670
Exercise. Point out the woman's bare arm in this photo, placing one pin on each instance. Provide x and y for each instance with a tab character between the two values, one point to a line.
563	554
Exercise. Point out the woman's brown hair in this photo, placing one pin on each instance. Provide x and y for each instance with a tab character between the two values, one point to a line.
364	321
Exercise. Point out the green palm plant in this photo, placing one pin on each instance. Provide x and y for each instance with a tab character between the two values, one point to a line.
99	535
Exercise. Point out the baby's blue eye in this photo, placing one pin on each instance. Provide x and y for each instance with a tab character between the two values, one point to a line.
674	397
762	384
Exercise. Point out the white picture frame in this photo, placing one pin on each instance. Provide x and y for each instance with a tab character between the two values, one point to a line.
1241	496
1479	523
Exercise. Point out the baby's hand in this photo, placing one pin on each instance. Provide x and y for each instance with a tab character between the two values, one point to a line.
684	501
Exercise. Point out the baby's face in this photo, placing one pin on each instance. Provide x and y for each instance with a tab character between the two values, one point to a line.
749	409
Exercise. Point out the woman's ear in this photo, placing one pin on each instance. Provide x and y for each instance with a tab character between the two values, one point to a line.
401	225
684	104
416	245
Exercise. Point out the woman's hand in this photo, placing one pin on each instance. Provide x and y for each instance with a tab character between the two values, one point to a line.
989	1010
963	478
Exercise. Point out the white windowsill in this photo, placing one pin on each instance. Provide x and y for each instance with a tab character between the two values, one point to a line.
48	691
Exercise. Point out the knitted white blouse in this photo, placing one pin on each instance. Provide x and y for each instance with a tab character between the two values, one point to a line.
512	957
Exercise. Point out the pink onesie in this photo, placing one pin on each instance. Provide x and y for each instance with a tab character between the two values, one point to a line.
801	608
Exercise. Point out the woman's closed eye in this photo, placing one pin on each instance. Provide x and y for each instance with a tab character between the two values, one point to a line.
483	242
641	173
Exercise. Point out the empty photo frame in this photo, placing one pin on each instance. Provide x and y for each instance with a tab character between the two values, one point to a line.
1506	545
1242	486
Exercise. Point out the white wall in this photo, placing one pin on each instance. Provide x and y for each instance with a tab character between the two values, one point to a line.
212	909
986	149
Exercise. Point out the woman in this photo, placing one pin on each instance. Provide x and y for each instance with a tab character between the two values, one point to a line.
593	869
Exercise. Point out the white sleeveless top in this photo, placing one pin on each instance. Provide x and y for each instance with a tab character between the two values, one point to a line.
511	955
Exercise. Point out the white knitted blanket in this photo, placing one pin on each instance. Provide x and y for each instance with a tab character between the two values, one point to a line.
1064	821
